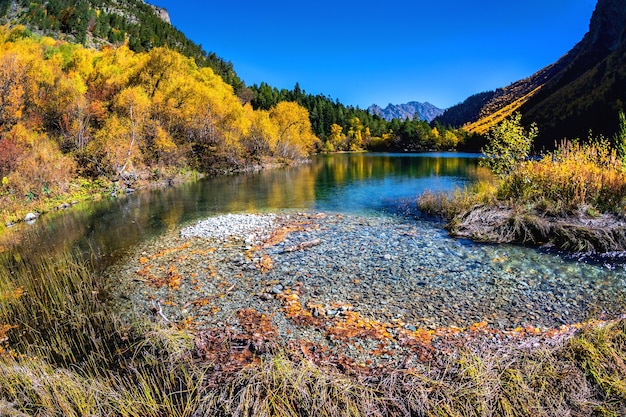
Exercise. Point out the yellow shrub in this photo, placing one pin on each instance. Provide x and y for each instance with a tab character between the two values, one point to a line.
572	177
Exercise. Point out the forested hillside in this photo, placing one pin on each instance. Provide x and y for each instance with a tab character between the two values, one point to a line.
72	117
141	27
100	22
344	128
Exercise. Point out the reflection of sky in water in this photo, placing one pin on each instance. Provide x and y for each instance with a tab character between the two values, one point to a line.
363	196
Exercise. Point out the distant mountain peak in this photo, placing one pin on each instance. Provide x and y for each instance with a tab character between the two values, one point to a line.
425	111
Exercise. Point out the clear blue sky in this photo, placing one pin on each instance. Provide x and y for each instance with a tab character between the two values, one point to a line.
366	52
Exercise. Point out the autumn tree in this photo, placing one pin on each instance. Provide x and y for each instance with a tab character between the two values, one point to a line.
157	67
117	145
11	152
12	81
295	137
262	136
41	169
336	139
355	134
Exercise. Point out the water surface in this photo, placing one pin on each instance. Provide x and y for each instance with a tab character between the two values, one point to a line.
468	280
348	183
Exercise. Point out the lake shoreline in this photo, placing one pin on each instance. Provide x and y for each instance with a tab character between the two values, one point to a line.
29	213
578	233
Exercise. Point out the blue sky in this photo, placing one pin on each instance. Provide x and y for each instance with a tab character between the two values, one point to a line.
381	52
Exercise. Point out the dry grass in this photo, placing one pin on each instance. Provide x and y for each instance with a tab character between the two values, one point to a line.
449	205
573	198
64	353
575	177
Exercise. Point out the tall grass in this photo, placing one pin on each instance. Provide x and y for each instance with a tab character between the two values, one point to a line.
573	198
574	176
66	354
448	205
58	311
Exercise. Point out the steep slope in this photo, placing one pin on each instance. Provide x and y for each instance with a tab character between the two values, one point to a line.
583	90
425	111
590	91
468	110
108	22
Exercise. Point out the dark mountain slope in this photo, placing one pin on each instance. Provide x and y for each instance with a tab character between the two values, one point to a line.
590	91
583	90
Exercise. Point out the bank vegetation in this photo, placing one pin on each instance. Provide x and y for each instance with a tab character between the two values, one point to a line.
76	121
572	198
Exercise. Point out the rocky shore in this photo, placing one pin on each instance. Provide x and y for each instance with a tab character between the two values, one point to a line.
372	289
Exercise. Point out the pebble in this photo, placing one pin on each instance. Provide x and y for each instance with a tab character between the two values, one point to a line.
30	217
388	267
250	227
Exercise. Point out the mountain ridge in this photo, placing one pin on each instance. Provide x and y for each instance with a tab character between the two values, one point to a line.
583	90
425	111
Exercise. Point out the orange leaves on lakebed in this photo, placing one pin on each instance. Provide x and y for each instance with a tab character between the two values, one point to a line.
160	268
265	264
376	342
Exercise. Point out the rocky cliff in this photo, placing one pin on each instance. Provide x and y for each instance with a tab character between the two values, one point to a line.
161	12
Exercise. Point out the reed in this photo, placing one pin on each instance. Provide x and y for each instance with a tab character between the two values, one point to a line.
57	310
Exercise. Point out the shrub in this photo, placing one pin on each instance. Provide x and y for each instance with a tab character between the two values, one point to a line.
575	176
508	144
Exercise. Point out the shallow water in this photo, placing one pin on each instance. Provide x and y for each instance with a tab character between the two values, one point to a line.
506	285
413	271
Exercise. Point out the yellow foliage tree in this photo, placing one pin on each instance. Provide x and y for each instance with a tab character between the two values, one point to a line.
43	169
263	133
134	105
355	134
295	136
12	79
336	138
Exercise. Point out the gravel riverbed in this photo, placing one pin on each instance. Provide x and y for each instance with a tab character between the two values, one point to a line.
329	278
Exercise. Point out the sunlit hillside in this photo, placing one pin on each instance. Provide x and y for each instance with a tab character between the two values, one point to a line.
491	119
582	91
